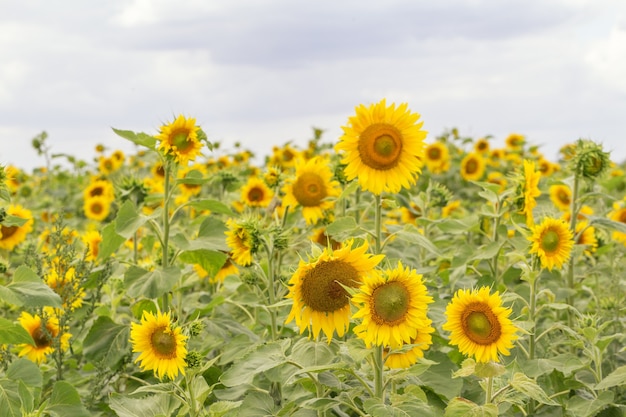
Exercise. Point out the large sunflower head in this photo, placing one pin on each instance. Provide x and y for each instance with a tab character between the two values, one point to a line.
479	325
13	235
179	140
256	193
43	331
161	345
311	188
552	242
320	301
561	196
393	305
473	166
383	147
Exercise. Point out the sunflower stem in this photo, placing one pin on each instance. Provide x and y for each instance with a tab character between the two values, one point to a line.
570	267
379	387
166	226
377	223
531	312
489	390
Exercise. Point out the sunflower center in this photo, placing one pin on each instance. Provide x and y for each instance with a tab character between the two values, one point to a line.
622	216
321	286
97	208
164	342
390	302
480	325
550	241
471	167
434	154
564	197
256	194
41	337
380	146
96	191
180	139
7	232
309	189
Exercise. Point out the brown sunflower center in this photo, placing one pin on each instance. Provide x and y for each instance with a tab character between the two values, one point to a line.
180	139
380	146
41	337
309	189
622	216
321	285
471	166
550	241
96	207
164	342
563	197
256	194
96	191
7	231
434	154
390	303
480	325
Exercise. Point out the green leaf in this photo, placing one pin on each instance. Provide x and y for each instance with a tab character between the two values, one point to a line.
341	225
456	226
412	235
10	402
438	377
615	378
584	407
257	404
128	220
25	274
193	177
142	139
565	363
221	408
28	290
311	353
107	342
13	334
525	385
26	397
211	261
460	407
488	251
161	405
150	284
260	359
26	371
111	241
213	206
10	220
65	402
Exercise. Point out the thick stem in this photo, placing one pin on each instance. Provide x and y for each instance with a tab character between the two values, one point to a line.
570	269
378	350
166	226
489	390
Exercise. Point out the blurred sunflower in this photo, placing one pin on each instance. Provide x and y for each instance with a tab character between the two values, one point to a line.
383	147
67	286
312	189
482	146
243	240
552	242
179	140
531	190
92	240
229	268
97	208
479	325
99	187
256	193
618	214
393	306
190	179
515	142
284	157
437	157
161	346
43	333
473	167
11	236
106	165
320	303
586	236
561	196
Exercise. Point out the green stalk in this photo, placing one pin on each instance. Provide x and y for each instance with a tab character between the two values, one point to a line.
378	350
166	226
570	269
489	390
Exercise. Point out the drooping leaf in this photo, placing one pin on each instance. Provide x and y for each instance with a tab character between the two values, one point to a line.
65	401
210	260
260	359
111	241
584	407
142	139
213	206
107	342
164	404
258	404
12	333
527	386
28	290
128	220
150	284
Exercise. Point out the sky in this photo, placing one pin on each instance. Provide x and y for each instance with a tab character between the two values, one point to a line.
265	72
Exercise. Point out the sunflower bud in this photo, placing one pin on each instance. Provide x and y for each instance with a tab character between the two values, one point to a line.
195	328
589	159
193	359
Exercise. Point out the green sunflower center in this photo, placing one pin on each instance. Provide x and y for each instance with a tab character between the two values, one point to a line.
41	337
7	232
434	154
563	197
480	324
164	342
550	241
321	285
309	189
390	303
180	139
471	166
380	146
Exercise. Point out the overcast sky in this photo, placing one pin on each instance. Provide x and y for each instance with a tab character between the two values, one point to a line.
264	72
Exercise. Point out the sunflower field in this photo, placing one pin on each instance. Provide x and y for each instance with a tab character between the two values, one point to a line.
387	272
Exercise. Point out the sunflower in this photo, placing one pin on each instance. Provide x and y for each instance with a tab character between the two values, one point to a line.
473	167
482	146
179	140
437	157
97	208
256	193
285	157
229	268
552	241
191	188
383	147
586	236
161	346
531	190
452	208
99	187
496	177
92	240
320	237
409	355
320	303
618	214
479	325
243	240
561	196
311	188
43	333
393	305
515	142
11	236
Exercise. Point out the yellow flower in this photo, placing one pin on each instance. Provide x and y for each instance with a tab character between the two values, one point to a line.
586	236
241	238
320	303
92	240
43	333
107	165
97	208
11	236
437	157
67	287
256	193
190	188
284	157
473	167
312	189
561	196
479	325
179	140
451	208
552	241
515	141
393	306
161	346
229	268
383	147
531	190
618	214
99	187
482	146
